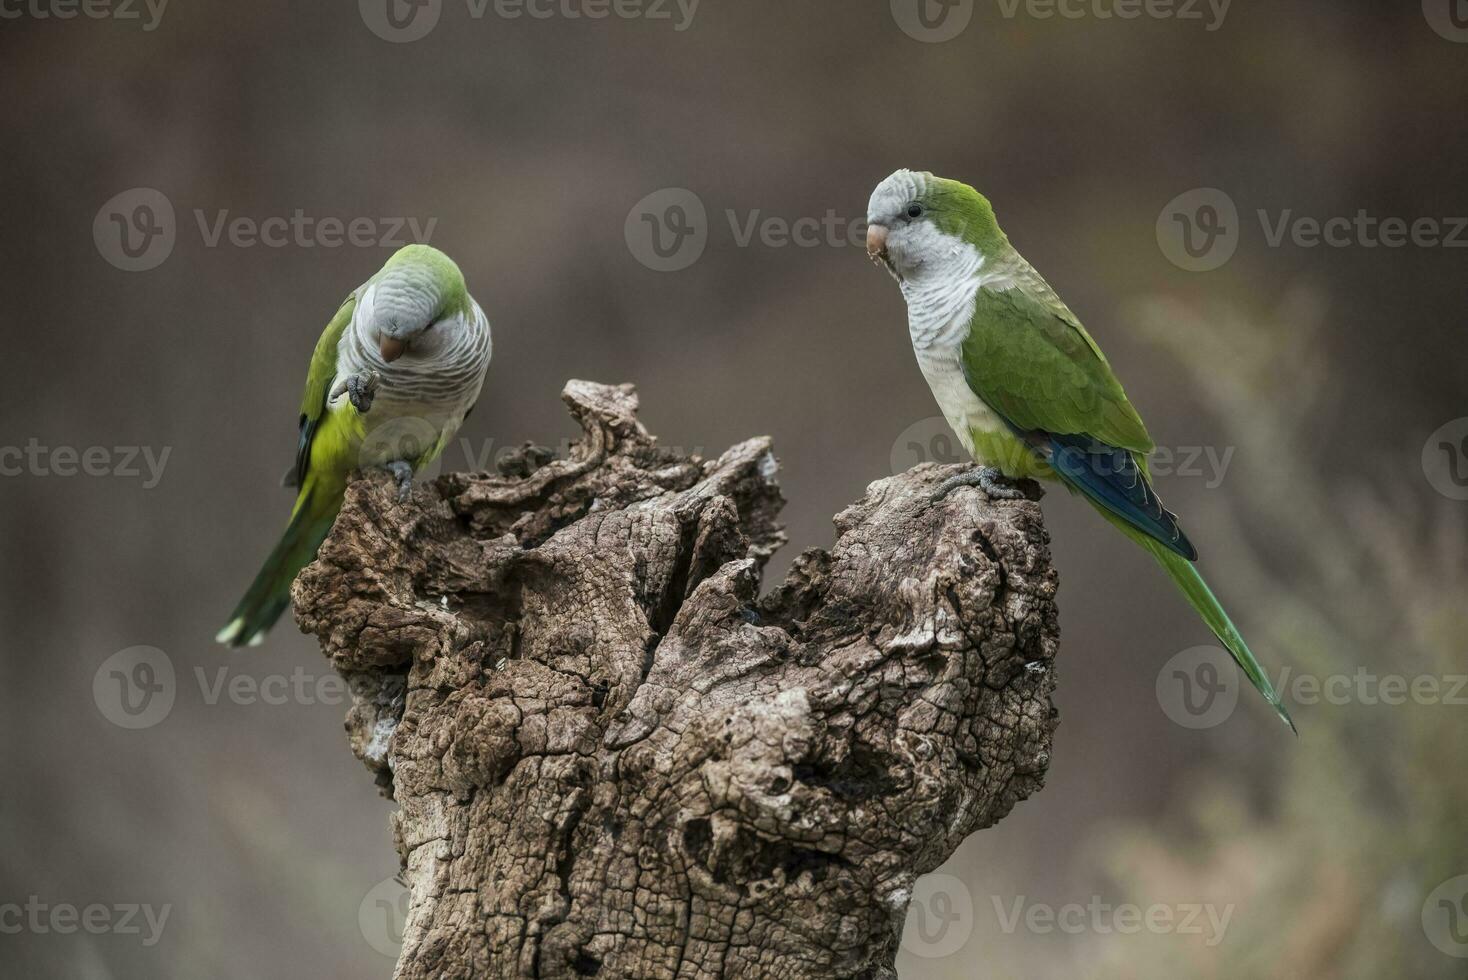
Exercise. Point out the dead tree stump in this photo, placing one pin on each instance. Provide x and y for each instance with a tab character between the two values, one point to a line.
613	758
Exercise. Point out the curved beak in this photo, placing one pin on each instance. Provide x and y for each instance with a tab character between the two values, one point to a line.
877	241
391	348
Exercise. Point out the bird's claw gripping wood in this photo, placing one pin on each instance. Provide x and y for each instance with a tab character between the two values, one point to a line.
403	473
987	479
360	389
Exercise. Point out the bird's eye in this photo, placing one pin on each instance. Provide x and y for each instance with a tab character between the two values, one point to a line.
914	211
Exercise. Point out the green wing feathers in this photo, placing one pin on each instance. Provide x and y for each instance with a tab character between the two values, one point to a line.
323	360
318	385
317	503
1030	360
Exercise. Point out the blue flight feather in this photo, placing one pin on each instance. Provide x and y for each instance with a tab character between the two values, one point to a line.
1111	479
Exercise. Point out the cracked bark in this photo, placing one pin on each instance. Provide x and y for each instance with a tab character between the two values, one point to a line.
613	757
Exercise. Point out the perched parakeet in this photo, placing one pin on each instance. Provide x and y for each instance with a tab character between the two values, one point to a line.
1021	382
393	376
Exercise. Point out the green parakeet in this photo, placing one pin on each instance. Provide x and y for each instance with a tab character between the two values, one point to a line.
394	374
1021	382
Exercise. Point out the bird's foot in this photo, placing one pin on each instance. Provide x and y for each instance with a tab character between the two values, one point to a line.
361	389
987	479
403	473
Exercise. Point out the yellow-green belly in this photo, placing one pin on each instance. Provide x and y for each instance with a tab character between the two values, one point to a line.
348	441
1006	453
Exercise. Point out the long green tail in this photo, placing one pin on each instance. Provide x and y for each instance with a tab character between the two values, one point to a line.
269	595
1184	575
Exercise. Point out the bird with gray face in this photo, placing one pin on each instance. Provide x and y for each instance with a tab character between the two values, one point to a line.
1021	382
394	374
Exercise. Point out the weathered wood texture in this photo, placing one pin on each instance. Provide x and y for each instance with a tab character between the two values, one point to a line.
614	758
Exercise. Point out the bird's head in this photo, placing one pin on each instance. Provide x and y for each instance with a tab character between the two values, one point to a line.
916	219
417	287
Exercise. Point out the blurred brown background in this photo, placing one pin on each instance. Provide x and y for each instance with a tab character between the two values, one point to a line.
1325	371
